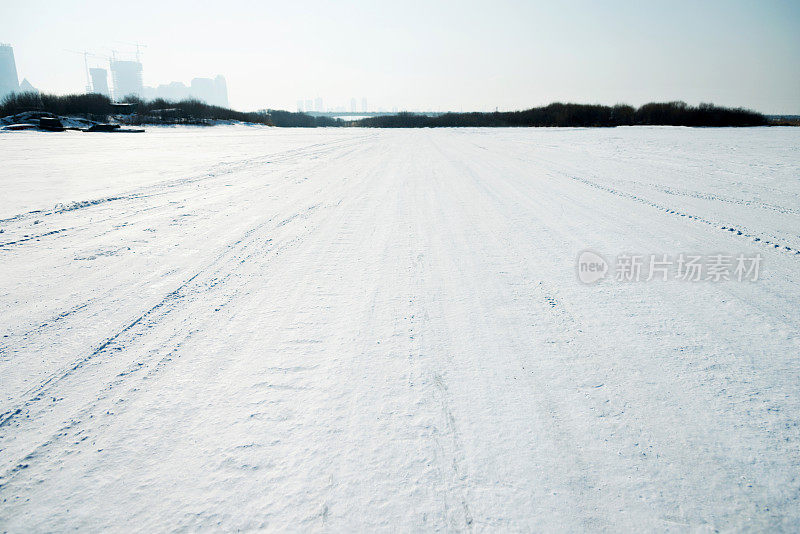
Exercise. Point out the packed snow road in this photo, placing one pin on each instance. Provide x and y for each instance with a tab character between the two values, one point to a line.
238	328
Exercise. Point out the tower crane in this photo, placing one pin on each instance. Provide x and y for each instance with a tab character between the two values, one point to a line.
135	45
86	55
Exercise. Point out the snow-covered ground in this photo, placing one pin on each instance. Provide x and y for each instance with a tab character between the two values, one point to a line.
242	328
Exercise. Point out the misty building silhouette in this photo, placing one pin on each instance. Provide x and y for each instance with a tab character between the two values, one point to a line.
203	89
221	91
174	92
9	82
99	79
26	87
127	76
212	91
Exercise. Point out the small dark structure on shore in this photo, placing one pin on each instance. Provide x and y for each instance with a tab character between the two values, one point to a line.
47	122
51	124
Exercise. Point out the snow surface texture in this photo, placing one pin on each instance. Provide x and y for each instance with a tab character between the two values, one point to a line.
244	328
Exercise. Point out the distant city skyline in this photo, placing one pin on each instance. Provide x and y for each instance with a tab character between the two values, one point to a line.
126	77
320	104
441	55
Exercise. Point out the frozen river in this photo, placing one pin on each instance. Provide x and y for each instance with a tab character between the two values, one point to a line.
347	329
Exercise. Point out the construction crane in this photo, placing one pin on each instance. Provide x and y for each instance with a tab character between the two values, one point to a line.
86	55
135	45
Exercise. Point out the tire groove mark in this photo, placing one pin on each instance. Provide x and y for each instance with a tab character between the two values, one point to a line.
34	392
55	319
730	229
120	378
31	238
220	169
54	379
457	468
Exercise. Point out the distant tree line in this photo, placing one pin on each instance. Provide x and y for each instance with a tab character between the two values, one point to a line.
99	107
580	115
288	119
58	105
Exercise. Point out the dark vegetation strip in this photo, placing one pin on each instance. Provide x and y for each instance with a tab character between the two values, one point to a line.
99	107
581	115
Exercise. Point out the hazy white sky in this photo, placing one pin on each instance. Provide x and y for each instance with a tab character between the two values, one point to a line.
435	55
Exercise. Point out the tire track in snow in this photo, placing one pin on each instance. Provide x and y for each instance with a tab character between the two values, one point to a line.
458	465
291	155
718	198
769	242
217	171
731	229
448	441
552	321
35	394
250	241
33	237
625	418
149	319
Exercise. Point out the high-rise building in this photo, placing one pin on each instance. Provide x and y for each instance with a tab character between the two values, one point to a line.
353	106
318	105
203	89
364	104
212	91
309	105
9	82
221	91
127	76
299	106
99	79
173	92
26	87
